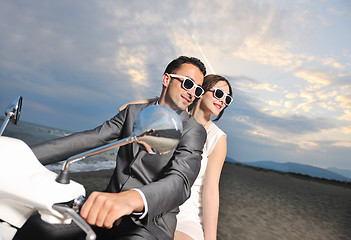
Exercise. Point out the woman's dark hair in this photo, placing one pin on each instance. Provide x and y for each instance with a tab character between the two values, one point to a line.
209	81
177	63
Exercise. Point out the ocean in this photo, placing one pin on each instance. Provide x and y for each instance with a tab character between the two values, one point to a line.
32	133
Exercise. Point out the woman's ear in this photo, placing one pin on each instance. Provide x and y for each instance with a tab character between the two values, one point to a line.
166	79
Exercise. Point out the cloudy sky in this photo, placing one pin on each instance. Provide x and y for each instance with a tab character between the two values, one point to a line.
289	63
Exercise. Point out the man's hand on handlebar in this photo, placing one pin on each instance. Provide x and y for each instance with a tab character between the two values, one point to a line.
103	209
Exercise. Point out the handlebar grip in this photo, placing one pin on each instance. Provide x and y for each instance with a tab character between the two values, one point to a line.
69	212
78	203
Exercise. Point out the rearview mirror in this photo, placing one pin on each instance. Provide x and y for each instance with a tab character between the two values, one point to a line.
157	127
12	113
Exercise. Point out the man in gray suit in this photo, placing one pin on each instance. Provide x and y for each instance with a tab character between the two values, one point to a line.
145	190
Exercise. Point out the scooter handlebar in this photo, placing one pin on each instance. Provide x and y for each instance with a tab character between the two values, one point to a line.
71	213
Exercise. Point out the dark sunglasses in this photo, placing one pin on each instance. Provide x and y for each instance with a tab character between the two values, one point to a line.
189	84
219	94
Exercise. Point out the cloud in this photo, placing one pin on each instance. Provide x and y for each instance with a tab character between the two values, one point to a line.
309	96
95	48
288	104
274	103
344	100
333	63
291	95
322	79
250	112
325	94
268	53
244	82
134	64
281	128
338	11
305	138
346	116
288	62
39	107
345	144
347	130
259	86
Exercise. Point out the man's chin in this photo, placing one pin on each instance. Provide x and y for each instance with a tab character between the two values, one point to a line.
182	107
185	105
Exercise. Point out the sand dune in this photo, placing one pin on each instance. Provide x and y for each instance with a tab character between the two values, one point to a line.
265	205
269	205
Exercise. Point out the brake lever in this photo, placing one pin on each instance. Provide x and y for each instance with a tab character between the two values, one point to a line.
71	210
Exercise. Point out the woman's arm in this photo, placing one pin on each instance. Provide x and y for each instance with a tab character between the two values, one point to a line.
210	195
140	101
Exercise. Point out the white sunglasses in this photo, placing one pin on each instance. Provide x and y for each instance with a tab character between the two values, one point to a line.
189	84
219	94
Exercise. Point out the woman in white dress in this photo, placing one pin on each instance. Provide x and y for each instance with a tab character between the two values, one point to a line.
198	216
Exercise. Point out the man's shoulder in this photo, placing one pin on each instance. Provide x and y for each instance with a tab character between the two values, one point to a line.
133	109
136	107
194	134
192	125
191	121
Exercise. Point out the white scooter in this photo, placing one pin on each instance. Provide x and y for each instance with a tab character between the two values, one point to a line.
26	186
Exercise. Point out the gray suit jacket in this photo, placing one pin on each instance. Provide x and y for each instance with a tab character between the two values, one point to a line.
165	179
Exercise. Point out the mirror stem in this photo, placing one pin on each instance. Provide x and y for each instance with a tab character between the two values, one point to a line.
4	124
63	175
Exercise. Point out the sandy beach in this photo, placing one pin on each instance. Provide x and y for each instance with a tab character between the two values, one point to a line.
256	204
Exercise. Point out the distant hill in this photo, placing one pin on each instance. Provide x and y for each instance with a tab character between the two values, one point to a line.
297	168
343	172
232	160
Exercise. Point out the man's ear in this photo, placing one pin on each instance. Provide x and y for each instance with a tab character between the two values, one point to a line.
166	79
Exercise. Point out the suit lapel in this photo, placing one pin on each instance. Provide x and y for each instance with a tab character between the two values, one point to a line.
183	115
135	146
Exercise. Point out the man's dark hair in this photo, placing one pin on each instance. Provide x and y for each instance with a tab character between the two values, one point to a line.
176	64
